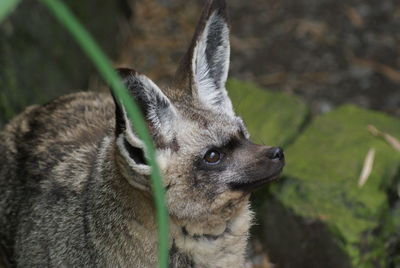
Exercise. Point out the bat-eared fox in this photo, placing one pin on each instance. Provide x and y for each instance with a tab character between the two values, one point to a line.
74	177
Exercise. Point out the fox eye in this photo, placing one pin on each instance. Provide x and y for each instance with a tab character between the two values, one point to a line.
212	157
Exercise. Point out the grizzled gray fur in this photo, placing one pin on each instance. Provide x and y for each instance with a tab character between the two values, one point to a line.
74	179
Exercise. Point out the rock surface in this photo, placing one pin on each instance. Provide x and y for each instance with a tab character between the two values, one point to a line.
318	213
272	118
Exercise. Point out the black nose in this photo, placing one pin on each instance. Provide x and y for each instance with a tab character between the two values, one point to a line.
275	153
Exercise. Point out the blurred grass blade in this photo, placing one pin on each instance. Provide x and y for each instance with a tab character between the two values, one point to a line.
6	7
62	13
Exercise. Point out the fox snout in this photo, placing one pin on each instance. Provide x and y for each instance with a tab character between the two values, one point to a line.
276	154
274	163
266	165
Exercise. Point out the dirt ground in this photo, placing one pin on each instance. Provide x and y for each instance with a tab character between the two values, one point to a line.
326	51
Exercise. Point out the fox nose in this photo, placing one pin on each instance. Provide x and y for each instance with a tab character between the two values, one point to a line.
275	153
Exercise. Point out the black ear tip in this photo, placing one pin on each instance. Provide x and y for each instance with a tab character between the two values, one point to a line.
125	72
120	126
217	5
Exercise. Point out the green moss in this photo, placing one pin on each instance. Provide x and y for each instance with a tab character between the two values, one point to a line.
322	171
272	118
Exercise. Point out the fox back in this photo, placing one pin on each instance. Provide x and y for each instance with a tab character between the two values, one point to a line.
74	174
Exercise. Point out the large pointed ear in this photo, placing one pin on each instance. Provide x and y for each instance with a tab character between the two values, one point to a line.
204	68
158	112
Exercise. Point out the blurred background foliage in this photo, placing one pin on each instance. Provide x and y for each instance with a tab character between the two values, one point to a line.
295	64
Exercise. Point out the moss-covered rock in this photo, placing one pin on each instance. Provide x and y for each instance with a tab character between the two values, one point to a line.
272	118
321	189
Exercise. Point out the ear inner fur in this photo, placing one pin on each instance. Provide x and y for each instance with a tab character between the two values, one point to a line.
204	68
210	61
154	105
184	74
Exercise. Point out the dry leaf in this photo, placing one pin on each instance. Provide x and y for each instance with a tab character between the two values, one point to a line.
392	141
354	17
383	69
314	29
367	168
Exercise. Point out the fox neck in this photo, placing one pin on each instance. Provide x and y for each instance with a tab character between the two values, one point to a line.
215	243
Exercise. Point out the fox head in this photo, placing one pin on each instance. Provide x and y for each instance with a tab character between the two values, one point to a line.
208	163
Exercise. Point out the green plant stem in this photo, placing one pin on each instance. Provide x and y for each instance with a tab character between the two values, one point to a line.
6	7
62	13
